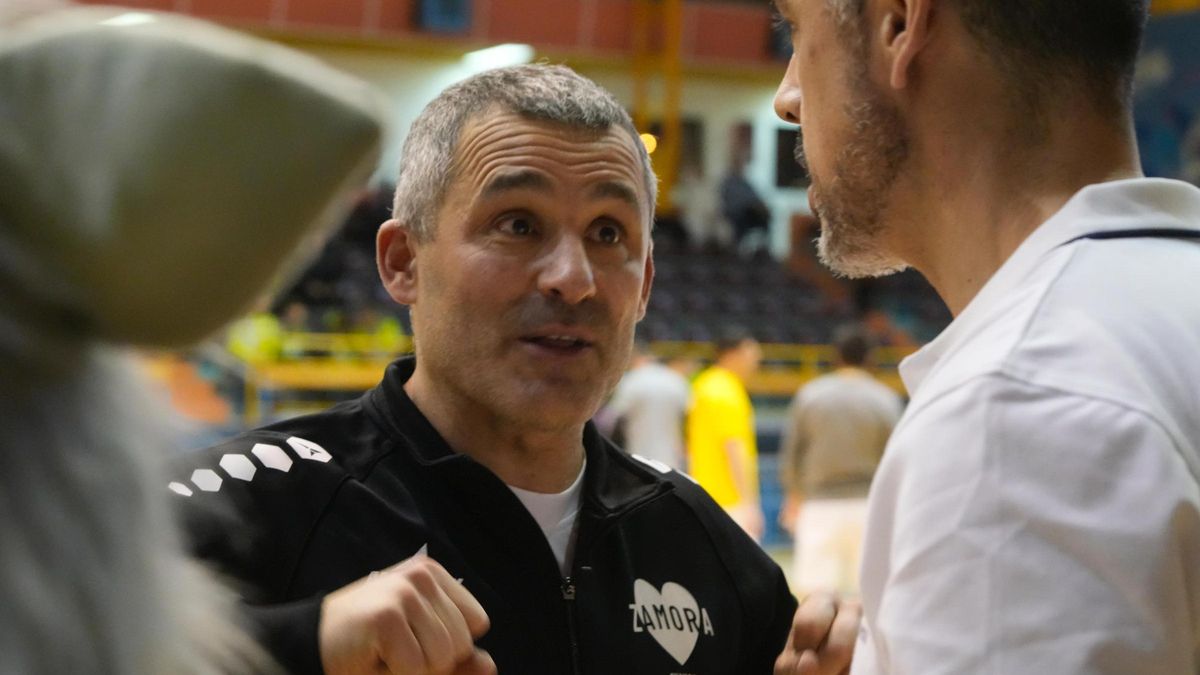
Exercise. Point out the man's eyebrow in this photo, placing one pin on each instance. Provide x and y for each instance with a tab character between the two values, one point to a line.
516	180
616	190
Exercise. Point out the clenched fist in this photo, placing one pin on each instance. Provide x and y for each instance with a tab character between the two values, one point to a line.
824	631
411	619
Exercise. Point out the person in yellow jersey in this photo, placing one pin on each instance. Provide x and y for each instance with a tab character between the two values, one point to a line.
256	338
722	453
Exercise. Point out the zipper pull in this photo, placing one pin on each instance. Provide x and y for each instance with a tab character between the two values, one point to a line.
568	589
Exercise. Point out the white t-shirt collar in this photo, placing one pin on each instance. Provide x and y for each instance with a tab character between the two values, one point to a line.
556	514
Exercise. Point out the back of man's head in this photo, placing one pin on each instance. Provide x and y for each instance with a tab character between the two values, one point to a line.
1046	47
732	339
538	91
852	344
738	351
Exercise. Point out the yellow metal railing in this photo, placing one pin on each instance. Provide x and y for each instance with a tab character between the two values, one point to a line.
1168	6
344	362
786	367
323	362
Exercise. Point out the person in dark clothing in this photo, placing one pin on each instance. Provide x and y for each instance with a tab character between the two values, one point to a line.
741	204
464	516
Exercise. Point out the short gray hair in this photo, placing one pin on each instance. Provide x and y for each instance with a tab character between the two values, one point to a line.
537	91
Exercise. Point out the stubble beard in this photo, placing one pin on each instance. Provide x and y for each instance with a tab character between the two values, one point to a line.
532	398
851	206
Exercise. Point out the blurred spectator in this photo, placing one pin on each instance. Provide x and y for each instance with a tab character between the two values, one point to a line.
294	320
649	406
295	317
256	338
700	211
884	331
722	451
742	206
331	319
377	335
838	425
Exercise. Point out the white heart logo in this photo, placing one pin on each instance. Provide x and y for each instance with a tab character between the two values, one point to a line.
673	618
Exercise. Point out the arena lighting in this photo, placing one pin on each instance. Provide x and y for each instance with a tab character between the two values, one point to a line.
129	19
509	54
650	142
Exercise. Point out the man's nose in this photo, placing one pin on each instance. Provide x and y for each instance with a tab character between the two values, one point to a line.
787	97
567	272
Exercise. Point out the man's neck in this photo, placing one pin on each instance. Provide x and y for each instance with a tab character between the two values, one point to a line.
538	460
734	366
983	198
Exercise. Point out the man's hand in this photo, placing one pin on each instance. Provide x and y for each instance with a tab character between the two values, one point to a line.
410	619
824	631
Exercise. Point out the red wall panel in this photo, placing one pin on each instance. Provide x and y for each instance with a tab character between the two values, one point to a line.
340	14
550	23
395	16
613	27
240	11
714	31
725	32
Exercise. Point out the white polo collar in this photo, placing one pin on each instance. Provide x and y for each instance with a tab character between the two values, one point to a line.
1102	207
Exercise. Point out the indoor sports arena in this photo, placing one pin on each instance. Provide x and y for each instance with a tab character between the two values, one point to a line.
591	336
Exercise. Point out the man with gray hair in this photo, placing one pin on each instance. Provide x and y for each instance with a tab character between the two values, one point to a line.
464	516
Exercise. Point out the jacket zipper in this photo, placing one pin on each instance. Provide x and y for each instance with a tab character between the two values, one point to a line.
568	595
569	589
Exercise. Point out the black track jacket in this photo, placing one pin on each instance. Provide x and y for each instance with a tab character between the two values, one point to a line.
663	582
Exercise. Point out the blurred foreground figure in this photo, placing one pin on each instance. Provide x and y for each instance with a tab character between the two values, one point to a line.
156	172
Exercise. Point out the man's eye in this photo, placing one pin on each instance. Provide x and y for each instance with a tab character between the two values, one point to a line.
518	225
608	233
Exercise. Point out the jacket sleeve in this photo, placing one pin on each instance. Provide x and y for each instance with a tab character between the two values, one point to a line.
248	508
773	637
288	631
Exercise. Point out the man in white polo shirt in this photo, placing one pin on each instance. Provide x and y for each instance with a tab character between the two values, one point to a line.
1037	509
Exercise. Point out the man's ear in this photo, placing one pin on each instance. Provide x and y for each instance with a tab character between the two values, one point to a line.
396	257
647	282
902	30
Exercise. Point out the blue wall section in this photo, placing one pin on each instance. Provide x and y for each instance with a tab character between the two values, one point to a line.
769	489
1167	97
